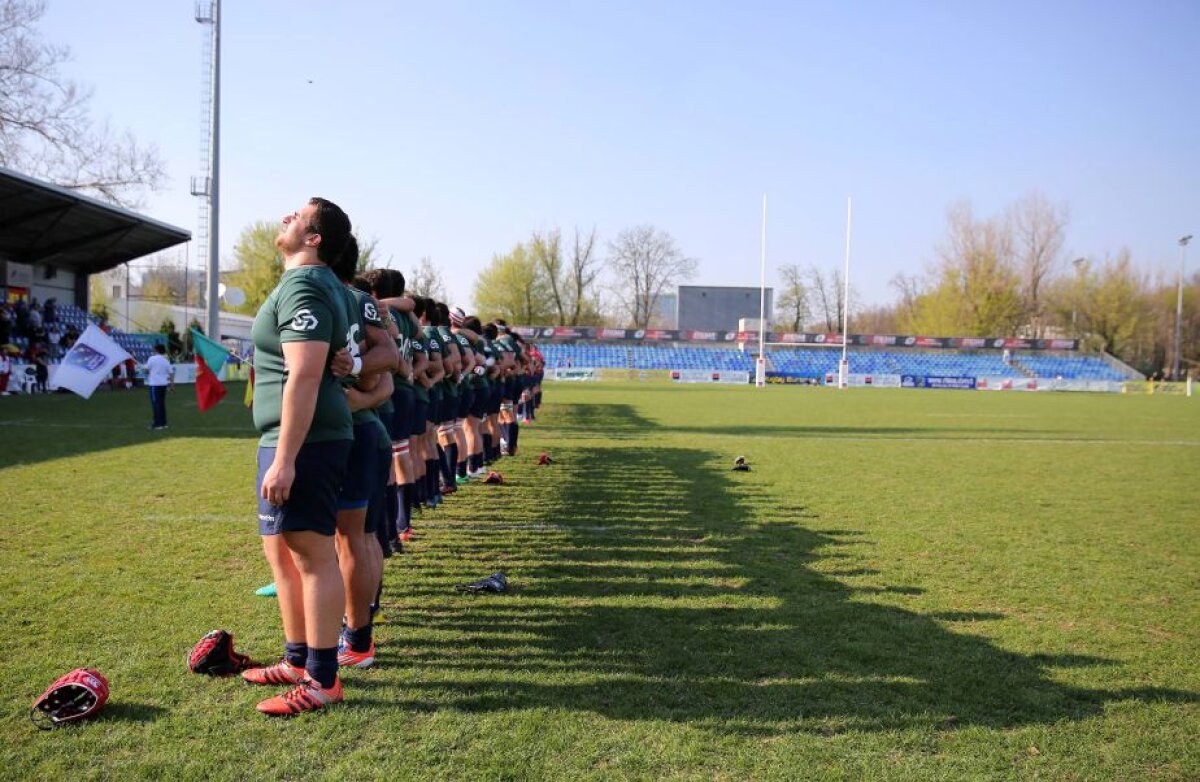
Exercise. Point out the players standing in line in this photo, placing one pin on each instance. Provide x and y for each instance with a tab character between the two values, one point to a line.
307	434
435	371
360	557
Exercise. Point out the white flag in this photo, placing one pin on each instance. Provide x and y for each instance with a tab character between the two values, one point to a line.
89	361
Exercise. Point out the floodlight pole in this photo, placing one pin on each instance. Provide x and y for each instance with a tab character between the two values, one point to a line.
212	298
1183	243
208	187
760	365
844	364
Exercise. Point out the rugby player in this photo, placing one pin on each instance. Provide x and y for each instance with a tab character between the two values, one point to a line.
307	434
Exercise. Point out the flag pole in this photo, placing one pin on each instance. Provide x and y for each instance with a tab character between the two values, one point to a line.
844	365
760	365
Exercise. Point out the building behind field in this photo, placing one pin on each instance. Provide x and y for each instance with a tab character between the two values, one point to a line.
715	308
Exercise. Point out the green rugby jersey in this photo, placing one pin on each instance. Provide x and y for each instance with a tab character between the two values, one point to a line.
307	305
365	313
404	340
418	348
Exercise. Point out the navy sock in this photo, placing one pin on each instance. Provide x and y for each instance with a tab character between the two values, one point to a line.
476	461
359	639
514	433
487	446
295	653
408	492
400	507
385	542
378	598
391	498
322	665
431	478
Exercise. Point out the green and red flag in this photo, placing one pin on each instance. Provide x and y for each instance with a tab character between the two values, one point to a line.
210	357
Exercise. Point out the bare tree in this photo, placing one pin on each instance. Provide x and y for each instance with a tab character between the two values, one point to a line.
828	296
426	280
793	299
45	130
911	289
546	252
582	276
1038	229
646	263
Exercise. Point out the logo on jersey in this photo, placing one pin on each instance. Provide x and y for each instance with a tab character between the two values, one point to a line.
369	311
304	320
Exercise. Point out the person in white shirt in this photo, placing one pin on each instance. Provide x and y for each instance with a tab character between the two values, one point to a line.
160	376
5	371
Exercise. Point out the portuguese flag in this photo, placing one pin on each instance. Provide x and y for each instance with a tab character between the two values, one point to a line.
210	357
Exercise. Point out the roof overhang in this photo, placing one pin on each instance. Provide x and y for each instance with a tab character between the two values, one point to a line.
50	225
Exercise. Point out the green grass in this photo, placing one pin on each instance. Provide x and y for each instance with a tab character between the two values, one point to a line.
908	585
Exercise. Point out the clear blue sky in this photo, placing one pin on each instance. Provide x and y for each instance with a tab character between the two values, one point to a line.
454	129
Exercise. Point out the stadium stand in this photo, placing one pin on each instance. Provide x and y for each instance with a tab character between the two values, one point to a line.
818	363
68	315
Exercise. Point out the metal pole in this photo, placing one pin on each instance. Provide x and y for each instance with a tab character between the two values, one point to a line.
212	299
844	365
1183	243
760	366
126	329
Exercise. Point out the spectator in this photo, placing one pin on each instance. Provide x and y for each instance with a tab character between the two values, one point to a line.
21	318
160	376
50	311
41	365
6	366
34	318
69	338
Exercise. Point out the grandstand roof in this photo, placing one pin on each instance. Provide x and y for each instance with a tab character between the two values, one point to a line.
51	225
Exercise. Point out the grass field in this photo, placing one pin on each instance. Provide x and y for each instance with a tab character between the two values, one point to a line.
908	585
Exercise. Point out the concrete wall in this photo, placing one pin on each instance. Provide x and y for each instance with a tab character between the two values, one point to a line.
711	308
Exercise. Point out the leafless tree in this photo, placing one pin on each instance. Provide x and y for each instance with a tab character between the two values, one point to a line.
646	263
546	251
45	128
793	299
911	288
582	276
426	280
827	292
1038	229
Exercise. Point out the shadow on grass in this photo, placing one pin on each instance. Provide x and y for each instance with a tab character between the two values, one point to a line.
124	711
53	426
622	422
694	610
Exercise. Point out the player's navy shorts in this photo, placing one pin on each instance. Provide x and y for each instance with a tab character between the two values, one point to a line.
376	504
496	398
480	397
510	389
435	406
361	468
449	408
386	414
312	504
420	418
403	401
466	398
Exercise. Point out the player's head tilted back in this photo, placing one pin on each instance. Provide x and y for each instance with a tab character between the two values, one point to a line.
345	266
332	228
